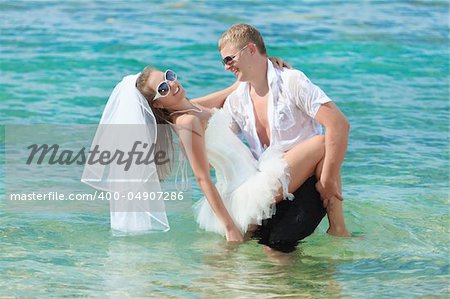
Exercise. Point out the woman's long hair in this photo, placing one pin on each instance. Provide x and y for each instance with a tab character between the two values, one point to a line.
164	138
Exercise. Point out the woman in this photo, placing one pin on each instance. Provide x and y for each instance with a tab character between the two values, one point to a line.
247	189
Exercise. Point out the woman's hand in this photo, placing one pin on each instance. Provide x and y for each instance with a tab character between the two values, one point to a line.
280	63
233	234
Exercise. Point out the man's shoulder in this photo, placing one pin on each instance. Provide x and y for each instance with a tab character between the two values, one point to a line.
293	78
288	74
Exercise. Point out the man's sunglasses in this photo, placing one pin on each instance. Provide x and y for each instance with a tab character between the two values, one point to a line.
163	88
228	60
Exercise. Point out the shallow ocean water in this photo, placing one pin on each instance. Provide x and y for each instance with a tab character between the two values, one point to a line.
385	64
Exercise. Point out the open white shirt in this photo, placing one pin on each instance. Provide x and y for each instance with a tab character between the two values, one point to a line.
292	105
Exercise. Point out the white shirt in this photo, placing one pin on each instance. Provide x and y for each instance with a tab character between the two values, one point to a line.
292	105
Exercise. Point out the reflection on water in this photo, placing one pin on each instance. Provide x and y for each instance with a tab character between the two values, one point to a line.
77	255
212	267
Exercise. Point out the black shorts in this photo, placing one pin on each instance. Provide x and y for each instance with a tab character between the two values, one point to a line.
293	220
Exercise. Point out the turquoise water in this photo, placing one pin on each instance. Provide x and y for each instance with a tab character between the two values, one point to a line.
385	63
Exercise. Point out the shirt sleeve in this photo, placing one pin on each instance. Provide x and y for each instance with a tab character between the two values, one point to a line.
308	96
228	109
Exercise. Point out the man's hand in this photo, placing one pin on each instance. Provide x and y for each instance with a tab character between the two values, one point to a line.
329	191
233	234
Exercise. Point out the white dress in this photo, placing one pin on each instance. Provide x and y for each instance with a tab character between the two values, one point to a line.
247	186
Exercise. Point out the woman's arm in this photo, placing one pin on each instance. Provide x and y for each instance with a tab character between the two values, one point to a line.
216	99
192	136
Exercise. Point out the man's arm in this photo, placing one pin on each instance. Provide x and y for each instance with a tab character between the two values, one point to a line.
336	138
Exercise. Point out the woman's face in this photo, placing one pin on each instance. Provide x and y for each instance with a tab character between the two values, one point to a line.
175	94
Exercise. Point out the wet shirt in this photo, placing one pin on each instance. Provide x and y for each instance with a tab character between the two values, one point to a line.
292	106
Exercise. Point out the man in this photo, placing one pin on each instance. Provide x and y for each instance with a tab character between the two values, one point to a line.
284	108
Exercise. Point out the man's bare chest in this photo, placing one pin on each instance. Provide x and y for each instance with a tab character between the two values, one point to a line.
260	110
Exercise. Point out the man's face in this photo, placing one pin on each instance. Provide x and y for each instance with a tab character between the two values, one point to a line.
236	60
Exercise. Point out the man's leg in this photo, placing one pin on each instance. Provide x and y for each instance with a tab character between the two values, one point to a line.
294	220
335	214
335	210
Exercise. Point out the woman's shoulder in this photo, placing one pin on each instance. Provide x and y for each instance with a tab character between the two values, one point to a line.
191	122
186	119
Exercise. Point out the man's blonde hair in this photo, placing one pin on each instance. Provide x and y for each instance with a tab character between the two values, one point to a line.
240	35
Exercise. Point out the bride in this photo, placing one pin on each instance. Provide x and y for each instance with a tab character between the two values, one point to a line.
246	190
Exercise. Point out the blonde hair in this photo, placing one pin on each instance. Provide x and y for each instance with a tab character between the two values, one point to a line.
240	35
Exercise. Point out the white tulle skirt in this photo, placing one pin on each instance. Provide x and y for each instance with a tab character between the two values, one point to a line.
253	200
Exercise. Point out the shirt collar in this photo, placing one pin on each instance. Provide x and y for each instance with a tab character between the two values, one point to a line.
272	78
273	74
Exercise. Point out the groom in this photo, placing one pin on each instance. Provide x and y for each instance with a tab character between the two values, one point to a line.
284	107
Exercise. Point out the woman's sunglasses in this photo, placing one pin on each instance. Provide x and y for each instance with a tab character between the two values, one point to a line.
163	88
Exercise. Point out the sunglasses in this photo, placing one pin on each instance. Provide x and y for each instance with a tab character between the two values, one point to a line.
163	88
228	60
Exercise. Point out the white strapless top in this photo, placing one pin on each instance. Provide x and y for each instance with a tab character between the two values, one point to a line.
247	186
229	156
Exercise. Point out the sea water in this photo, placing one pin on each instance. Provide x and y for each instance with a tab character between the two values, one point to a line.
384	63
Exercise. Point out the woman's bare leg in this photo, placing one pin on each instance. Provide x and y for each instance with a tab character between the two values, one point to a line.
305	160
302	161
